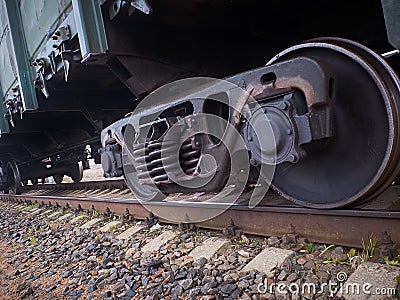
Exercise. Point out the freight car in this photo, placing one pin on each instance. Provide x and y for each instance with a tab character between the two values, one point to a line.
70	69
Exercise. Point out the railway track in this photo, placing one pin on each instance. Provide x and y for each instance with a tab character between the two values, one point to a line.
274	216
75	253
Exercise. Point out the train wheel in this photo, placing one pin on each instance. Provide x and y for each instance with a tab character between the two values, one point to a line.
34	181
58	178
14	178
362	159
6	189
142	192
76	172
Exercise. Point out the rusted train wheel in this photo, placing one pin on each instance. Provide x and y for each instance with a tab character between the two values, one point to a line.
13	178
362	159
76	172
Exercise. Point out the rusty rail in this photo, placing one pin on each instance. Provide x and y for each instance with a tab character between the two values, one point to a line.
100	184
341	227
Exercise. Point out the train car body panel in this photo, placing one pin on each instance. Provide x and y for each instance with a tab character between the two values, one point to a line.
40	19
91	31
47	116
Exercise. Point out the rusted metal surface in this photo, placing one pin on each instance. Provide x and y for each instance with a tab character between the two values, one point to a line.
341	227
103	184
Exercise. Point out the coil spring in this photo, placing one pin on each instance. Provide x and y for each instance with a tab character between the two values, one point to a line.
150	164
189	157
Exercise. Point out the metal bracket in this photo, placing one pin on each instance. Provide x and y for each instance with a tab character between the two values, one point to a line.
231	229
187	225
387	247
14	105
313	78
117	5
114	9
78	209
151	220
47	66
127	217
290	237
4	127
108	214
40	81
65	62
142	5
60	36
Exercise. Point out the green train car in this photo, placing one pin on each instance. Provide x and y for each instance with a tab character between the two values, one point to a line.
71	71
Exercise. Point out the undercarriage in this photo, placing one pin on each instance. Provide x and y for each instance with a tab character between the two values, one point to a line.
303	123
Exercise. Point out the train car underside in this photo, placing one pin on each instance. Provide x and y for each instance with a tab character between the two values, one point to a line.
332	141
332	103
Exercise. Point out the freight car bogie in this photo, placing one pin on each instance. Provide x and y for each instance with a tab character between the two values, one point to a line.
15	176
324	114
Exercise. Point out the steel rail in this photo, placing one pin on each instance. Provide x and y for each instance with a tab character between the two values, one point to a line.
341	227
100	184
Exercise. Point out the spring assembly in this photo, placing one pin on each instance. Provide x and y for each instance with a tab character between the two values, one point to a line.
190	157
149	162
151	165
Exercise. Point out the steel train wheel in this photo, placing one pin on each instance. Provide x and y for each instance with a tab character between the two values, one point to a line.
362	159
14	178
142	192
76	172
58	178
393	84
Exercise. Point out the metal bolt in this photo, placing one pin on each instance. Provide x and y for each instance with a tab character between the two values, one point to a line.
289	131
253	162
386	238
283	105
292	158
